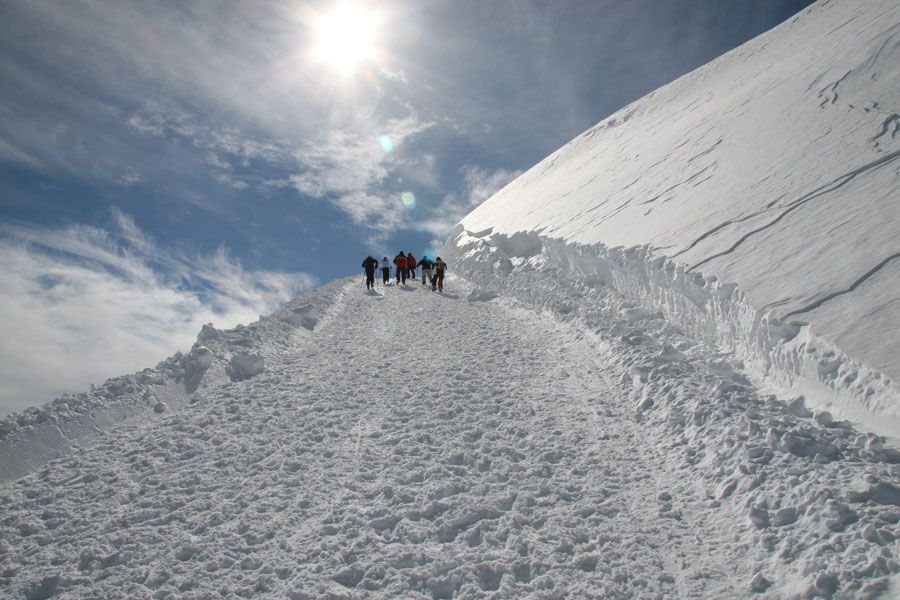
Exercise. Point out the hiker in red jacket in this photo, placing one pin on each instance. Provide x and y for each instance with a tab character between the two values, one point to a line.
410	266
400	262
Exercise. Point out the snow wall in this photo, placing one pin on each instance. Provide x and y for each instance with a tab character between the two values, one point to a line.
753	201
602	288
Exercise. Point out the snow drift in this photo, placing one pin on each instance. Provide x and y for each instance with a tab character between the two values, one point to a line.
754	200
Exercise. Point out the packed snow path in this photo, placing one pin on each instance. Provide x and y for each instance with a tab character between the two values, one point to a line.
471	457
411	444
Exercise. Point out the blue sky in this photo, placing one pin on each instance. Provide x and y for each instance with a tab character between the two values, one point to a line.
166	164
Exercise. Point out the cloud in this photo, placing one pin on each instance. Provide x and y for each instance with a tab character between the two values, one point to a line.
158	120
109	60
205	93
82	304
479	185
349	168
129	177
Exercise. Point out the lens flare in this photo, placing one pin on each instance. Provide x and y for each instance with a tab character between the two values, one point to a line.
386	144
408	199
370	79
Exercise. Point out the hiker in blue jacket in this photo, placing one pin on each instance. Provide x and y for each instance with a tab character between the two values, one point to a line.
426	265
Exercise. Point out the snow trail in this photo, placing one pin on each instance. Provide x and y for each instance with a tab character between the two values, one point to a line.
414	444
473	453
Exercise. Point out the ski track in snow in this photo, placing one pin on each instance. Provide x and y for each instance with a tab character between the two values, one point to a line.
422	445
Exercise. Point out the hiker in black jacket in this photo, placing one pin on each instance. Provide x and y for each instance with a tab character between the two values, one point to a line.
369	265
437	282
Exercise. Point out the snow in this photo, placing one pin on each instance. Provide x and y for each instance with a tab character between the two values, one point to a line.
415	444
661	367
774	167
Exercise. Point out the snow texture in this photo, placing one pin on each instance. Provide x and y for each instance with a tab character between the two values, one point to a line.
776	168
475	448
595	407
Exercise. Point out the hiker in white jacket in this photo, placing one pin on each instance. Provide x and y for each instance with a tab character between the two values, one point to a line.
385	270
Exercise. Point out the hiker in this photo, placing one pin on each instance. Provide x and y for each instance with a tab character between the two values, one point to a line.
400	263
438	280
385	270
410	266
369	265
426	263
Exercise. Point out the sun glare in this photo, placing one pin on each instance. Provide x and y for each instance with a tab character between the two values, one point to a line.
346	37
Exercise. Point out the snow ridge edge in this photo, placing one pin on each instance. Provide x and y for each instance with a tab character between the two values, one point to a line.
548	274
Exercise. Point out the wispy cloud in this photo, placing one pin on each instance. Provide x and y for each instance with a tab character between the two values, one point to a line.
224	148
348	167
192	97
479	185
83	304
109	62
352	170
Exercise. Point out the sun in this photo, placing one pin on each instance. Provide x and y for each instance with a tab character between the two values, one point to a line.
346	37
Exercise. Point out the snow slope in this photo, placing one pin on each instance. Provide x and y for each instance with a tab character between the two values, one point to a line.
606	402
775	168
411	444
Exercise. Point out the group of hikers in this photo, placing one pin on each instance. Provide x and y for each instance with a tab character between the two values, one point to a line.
405	267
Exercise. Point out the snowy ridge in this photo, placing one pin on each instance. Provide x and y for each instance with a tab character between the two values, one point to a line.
581	414
594	283
718	438
31	438
51	431
775	167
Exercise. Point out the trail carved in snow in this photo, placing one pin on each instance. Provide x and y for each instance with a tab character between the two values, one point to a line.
472	458
458	445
